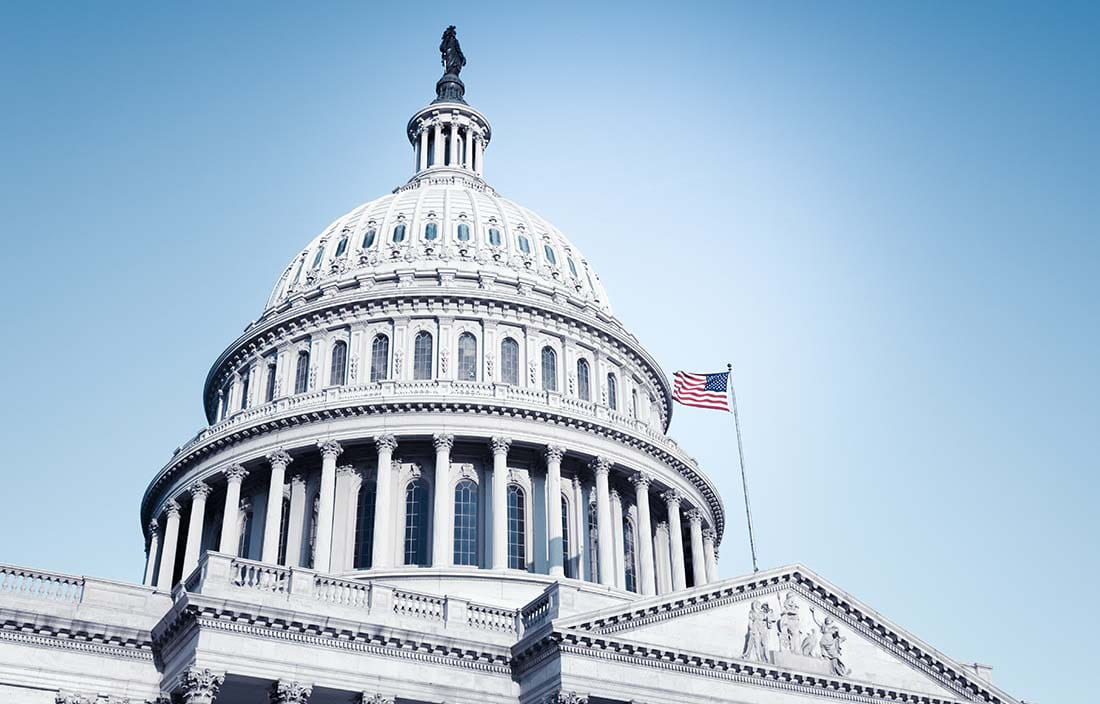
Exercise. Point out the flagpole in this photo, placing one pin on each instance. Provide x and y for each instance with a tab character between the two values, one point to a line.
741	457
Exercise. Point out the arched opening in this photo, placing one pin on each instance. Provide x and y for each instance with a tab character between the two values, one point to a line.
517	528
509	361
301	373
416	523
584	387
338	372
380	358
422	356
549	369
612	392
364	525
465	542
629	556
467	357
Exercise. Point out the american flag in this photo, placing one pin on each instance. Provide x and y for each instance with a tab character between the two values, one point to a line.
702	390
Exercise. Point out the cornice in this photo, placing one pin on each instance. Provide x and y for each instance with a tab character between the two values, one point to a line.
95	643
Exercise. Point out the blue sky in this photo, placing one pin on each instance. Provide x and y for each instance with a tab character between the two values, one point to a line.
884	214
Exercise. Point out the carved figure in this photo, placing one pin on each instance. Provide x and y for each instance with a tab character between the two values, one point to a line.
759	642
809	643
830	643
451	52
790	630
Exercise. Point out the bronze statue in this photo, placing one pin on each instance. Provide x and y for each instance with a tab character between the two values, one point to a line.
453	58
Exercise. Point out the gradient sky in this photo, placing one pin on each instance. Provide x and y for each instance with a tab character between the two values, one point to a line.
884	214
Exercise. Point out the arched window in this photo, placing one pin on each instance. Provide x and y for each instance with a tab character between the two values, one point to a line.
301	373
629	558
244	390
467	357
318	257
399	232
549	369
549	251
298	271
517	528
284	528
368	238
338	372
269	391
341	247
634	403
431	231
416	523
422	355
364	526
584	389
593	544
494	236
463	232
572	267
465	552
380	358
509	361
612	392
566	558
524	244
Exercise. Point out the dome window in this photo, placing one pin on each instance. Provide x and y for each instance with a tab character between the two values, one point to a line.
494	236
368	238
431	231
550	255
341	246
524	244
572	267
463	232
298	272
318	257
399	232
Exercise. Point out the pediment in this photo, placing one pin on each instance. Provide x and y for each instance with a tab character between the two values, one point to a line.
788	619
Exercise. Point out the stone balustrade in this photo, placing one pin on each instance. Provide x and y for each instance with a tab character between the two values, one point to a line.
36	584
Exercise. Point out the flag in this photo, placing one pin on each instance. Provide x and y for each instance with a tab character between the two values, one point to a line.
702	390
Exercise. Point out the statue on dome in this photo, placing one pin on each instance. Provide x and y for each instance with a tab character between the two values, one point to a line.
453	58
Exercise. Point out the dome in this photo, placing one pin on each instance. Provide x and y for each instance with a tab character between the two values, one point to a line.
446	221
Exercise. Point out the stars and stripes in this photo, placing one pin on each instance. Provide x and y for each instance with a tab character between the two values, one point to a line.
702	390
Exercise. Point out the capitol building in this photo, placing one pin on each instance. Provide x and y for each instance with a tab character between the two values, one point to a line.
436	470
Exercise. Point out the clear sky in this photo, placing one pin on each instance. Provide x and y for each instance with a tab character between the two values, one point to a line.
884	214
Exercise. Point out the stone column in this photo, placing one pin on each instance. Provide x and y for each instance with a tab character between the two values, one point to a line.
296	523
710	536
443	505
675	538
605	548
231	520
468	149
664	559
500	447
579	538
646	575
437	147
273	518
384	519
478	151
698	561
198	686
348	481
199	492
620	545
168	550
289	692
423	155
151	555
554	527
322	548
454	142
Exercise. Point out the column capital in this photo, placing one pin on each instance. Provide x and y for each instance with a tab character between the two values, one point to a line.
600	465
172	508
330	448
298	479
284	692
199	490
443	441
279	456
349	470
500	444
694	515
64	697
368	698
154	526
563	697
710	534
385	442
641	480
615	495
554	453
672	497
662	527
235	473
199	685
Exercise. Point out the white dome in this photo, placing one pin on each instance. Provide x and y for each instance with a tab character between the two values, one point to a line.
443	221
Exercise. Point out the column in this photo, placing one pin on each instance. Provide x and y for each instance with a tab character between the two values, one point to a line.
579	538
478	147
500	447
199	492
443	506
698	562
383	503
617	531
675	538
322	548
646	576
151	555
454	142
423	151
198	686
437	148
273	517
289	692
664	559
709	538
348	481
168	550
554	526
295	527
231	519
606	555
468	147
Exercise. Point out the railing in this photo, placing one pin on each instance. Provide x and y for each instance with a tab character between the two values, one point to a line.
538	611
491	618
41	585
418	605
345	592
259	576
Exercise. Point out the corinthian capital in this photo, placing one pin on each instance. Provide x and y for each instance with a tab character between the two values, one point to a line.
279	457
348	470
283	692
500	445
199	686
235	473
329	448
554	453
172	508
710	535
672	497
199	490
443	441
368	698
694	515
601	465
154	526
563	697
385	442
662	527
73	698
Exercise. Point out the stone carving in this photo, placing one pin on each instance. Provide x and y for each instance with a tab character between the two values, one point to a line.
789	626
673	498
353	367
694	515
330	448
601	465
298	479
73	698
443	441
283	692
451	53
398	356
830	642
776	637
199	686
386	442
532	369
235	473
367	698
348	470
279	456
489	366
710	534
759	640
442	362
554	453
199	489
641	480
465	471
563	697
500	445
172	508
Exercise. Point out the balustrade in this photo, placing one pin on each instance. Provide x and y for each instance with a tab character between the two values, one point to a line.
40	585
